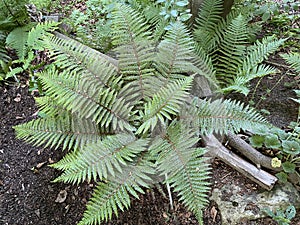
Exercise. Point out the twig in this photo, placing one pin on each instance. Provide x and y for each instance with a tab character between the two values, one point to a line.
169	192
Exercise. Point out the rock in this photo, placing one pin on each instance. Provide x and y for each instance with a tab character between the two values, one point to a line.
236	206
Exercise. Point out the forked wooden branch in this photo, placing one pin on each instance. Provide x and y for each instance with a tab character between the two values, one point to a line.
215	147
259	176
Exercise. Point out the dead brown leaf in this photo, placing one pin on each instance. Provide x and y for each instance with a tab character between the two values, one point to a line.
213	213
61	197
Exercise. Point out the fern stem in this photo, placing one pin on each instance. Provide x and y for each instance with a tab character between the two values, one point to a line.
169	192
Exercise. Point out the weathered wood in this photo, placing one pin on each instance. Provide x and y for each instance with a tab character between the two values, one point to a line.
259	176
251	153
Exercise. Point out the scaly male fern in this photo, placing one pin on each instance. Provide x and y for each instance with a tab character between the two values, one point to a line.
127	123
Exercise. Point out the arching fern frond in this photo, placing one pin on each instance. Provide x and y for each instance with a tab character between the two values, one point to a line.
208	19
293	59
239	83
100	105
164	104
184	164
66	131
258	52
101	159
115	194
221	116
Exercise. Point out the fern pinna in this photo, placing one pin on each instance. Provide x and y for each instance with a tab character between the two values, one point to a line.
126	124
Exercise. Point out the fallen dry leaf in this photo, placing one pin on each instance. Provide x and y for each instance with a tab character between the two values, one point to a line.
61	197
213	213
18	98
51	161
39	165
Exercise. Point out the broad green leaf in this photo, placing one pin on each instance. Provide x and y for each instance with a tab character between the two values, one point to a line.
272	141
291	147
288	167
257	141
282	177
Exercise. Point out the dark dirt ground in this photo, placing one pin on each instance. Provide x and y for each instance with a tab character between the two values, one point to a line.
27	195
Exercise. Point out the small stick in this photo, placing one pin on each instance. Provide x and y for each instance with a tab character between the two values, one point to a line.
169	192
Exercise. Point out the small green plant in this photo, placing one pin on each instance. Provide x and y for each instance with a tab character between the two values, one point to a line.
174	10
282	217
93	26
26	41
285	146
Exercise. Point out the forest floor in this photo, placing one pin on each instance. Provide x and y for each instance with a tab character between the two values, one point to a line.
27	195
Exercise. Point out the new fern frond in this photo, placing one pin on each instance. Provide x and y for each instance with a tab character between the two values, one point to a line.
165	103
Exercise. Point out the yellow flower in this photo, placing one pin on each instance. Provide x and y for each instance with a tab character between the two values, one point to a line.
276	162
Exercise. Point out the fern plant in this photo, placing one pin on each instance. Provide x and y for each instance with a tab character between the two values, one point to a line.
26	42
126	124
226	42
17	32
13	14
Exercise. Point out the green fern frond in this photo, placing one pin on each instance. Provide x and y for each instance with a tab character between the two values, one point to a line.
129	26
39	32
115	194
293	59
135	49
239	83
175	52
208	18
65	131
192	184
74	57
100	159
49	107
221	116
258	52
184	164
232	49
165	103
100	105
175	148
